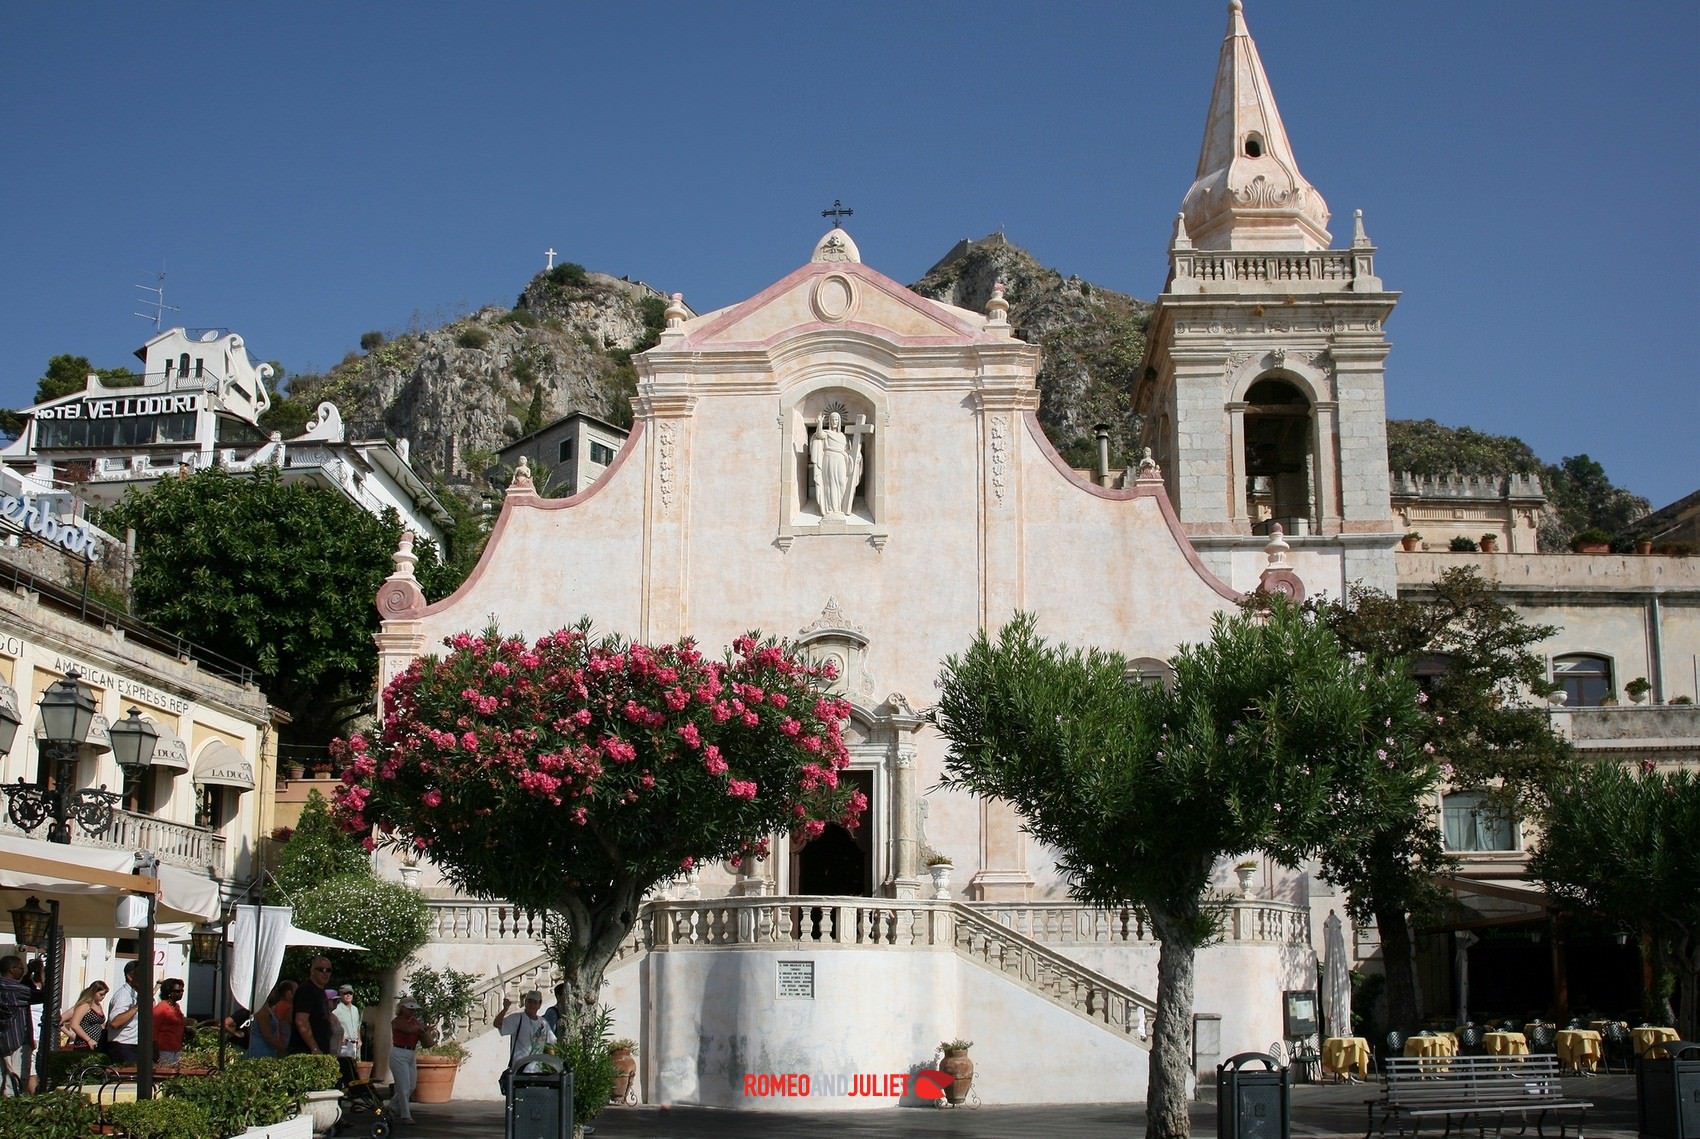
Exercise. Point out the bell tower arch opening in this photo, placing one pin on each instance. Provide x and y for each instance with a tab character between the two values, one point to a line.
1279	448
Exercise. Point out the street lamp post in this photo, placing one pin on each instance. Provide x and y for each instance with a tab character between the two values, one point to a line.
34	926
67	714
206	947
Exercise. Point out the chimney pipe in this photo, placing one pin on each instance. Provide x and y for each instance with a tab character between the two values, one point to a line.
1102	430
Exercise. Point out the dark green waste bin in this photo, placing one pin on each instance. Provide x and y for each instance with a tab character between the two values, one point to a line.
1253	1103
540	1103
1667	1091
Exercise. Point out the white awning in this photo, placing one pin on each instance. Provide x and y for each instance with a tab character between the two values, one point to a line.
89	880
224	766
169	751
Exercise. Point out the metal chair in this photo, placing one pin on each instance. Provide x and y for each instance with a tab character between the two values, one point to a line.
1617	1047
1306	1060
1470	1041
1394	1044
1543	1039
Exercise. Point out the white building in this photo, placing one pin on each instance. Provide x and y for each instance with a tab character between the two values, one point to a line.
198	405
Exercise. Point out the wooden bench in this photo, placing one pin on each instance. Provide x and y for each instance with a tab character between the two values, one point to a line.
1419	1088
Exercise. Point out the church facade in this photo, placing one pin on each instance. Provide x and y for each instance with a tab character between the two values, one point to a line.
846	463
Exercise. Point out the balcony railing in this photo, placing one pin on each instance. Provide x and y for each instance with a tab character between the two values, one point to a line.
176	844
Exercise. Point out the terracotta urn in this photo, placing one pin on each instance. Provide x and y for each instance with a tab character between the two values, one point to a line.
436	1078
625	1067
959	1066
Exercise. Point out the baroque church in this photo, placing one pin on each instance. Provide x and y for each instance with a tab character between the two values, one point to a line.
844	462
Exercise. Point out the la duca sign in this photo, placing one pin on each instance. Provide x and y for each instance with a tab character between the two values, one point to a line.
27	514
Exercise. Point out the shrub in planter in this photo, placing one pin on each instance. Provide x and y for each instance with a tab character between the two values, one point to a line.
246	1094
303	1073
1462	545
161	1119
52	1115
585	1047
66	1066
446	997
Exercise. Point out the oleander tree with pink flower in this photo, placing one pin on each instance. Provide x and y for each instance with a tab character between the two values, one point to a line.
572	774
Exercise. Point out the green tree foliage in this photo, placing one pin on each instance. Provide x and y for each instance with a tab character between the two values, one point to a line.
371	340
68	375
533	420
1578	492
390	921
279	574
1623	846
318	851
1268	737
1477	658
613	765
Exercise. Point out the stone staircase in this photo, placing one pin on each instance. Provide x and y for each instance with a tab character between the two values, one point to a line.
971	932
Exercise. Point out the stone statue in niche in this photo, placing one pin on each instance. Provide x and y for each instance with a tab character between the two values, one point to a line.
835	462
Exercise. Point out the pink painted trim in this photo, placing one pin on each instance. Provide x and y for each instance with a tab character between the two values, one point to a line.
1154	490
531	502
871	277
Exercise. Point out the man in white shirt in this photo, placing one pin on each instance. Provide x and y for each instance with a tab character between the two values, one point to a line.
122	1025
527	1032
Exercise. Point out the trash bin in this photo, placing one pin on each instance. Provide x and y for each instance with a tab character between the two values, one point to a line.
540	1104
1667	1091
1251	1103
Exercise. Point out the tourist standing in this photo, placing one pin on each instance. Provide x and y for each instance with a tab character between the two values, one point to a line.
407	1033
122	1026
313	1011
17	1029
169	1022
86	1019
274	1025
347	1015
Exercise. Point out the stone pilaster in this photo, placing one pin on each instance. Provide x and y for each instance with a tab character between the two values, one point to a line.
1003	876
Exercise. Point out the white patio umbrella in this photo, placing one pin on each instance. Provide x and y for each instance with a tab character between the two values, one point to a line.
257	948
1336	978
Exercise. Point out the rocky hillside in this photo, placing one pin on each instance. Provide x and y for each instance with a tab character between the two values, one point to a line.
1092	340
461	392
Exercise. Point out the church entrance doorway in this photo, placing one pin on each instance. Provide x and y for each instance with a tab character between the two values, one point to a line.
840	862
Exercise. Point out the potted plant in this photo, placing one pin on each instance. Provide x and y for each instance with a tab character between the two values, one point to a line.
1637	689
1593	540
161	1119
312	1080
625	1067
1246	871
446	997
60	1114
939	867
1412	541
1462	545
959	1066
1490	543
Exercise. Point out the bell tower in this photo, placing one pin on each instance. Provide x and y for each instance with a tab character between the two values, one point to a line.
1262	388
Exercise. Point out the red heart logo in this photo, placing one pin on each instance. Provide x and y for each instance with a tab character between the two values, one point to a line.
930	1083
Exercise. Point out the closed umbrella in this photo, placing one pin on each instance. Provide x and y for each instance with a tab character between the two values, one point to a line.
1336	978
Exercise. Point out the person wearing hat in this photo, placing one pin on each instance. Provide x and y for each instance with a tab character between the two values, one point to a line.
347	1016
407	1033
527	1032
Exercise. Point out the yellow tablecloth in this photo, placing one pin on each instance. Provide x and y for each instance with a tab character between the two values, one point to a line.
1342	1054
1578	1048
1506	1043
1444	1044
1644	1037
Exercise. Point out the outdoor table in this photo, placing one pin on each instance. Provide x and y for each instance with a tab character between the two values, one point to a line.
1342	1054
1578	1048
1440	1047
1506	1043
1645	1038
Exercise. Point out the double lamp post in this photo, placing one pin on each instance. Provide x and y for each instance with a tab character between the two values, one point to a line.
68	712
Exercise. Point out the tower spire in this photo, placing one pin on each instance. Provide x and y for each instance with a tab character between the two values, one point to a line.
1248	192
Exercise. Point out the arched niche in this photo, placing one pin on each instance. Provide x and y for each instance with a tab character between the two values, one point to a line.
1279	453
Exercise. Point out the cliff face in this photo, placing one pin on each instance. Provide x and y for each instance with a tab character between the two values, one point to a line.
461	392
1091	339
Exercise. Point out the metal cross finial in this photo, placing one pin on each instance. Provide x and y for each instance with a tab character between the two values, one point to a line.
550	254
838	210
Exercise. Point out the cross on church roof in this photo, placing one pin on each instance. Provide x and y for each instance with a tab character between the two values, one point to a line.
838	210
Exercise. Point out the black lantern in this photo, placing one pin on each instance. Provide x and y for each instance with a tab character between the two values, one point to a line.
67	710
31	924
133	739
9	720
206	944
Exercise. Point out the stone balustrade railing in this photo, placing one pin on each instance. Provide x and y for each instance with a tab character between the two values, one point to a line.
1213	265
817	922
176	844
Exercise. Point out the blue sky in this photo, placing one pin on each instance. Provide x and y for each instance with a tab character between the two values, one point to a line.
309	171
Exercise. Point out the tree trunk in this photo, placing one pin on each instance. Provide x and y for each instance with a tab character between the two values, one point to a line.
594	937
1171	1035
1399	960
